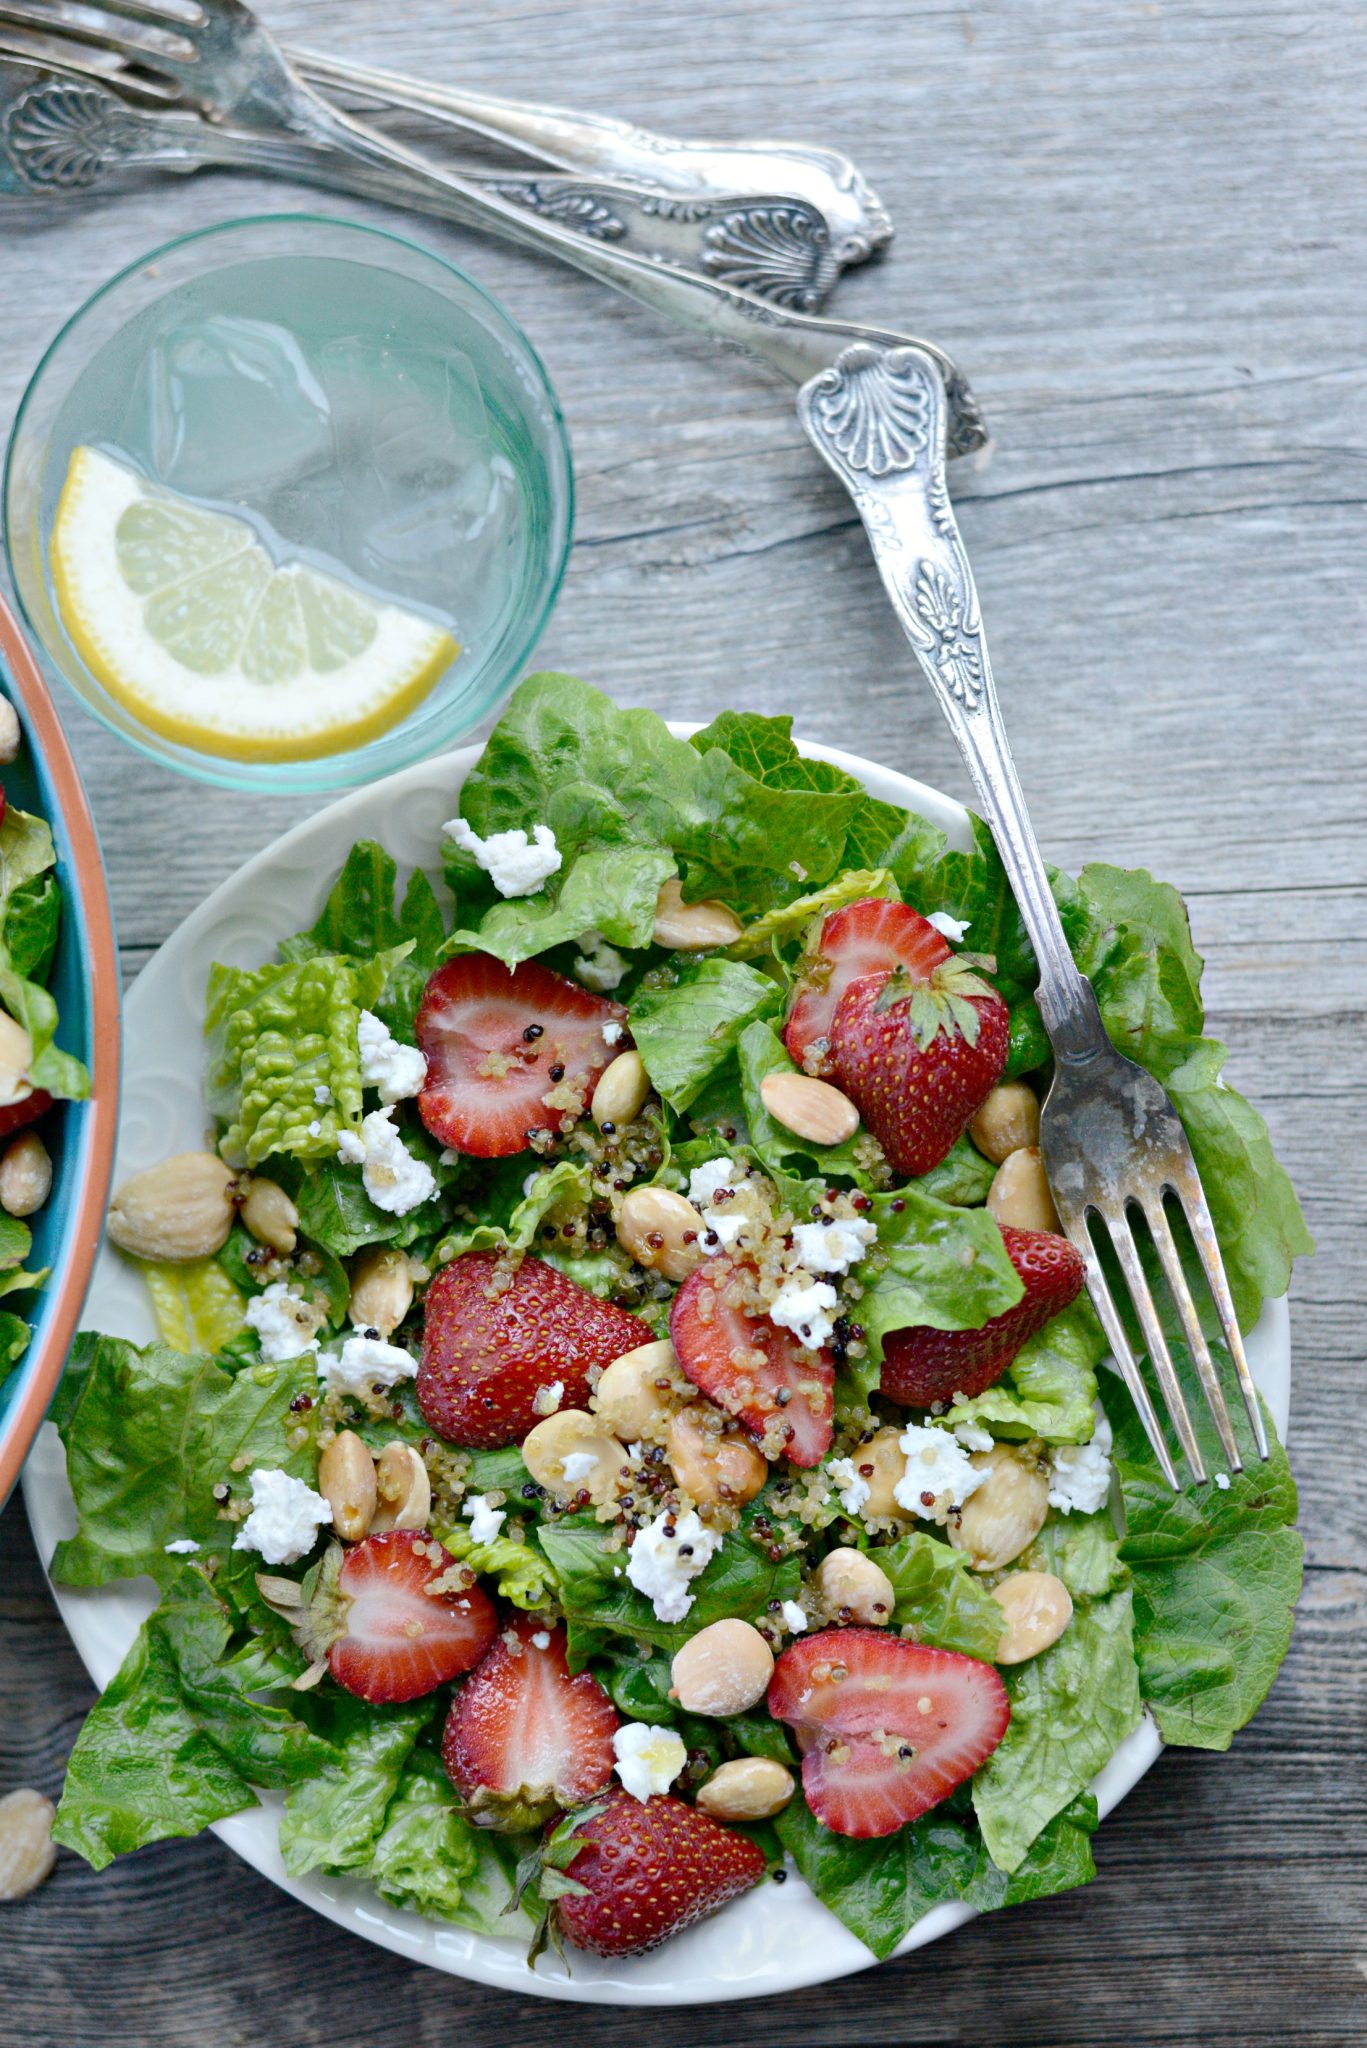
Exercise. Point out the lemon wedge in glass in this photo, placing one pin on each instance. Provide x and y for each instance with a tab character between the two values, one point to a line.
183	616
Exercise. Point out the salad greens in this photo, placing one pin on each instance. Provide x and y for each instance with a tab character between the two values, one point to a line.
1181	1604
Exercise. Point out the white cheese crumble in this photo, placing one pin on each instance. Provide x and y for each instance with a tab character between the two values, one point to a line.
322	1094
1222	1481
833	1247
648	1759
393	1178
854	1487
398	1071
793	1617
598	965
613	1032
542	1639
973	1437
315	1129
579	1465
485	1519
1080	1474
705	1180
938	1476
366	1362
181	1547
666	1554
285	1518
804	1307
515	863
951	928
284	1321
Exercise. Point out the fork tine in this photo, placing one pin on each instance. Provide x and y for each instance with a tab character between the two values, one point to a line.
92	31
1127	1251
1193	1200
1191	1324
1121	1349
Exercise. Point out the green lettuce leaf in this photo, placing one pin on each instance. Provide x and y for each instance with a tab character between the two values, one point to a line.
688	1029
334	1818
611	890
962	1177
523	1575
360	919
14	1336
1071	1708
29	920
196	1305
1082	1550
939	1597
26	850
556	1190
426	1854
761	1052
770	932
1049	1387
149	1434
933	1265
59	1072
337	1215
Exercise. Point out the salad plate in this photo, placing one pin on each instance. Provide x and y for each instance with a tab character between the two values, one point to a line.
777	1938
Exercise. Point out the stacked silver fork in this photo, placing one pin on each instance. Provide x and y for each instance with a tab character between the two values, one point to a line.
200	80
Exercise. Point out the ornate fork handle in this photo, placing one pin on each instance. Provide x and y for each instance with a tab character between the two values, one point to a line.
877	418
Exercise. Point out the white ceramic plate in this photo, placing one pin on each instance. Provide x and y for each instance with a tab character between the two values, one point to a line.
777	1938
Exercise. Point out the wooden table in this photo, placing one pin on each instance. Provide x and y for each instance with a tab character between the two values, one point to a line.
1141	230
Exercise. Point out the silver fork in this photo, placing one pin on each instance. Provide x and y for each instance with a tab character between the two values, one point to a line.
217	60
1113	1143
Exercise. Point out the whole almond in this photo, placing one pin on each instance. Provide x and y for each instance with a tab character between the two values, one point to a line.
621	1093
10	734
346	1480
405	1490
25	1175
381	1290
180	1210
693	927
811	1109
26	1848
271	1216
661	1230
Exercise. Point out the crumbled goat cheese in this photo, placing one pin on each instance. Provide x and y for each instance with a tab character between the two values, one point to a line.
577	1466
285	1518
547	1399
804	1307
613	1032
951	928
398	1071
598	965
542	1639
793	1617
1222	1481
283	1320
973	1437
321	1093
706	1180
315	1129
648	1759
854	1488
832	1247
1080	1474
182	1546
938	1476
666	1554
393	1178
365	1362
485	1519
515	864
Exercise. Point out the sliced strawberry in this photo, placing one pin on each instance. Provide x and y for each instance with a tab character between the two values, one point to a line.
15	1115
887	1728
496	1337
524	1738
869	937
649	1868
510	1052
919	1059
922	1366
388	1620
783	1393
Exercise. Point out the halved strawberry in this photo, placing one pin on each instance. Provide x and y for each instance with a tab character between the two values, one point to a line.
922	1366
919	1058
887	1728
783	1393
641	1870
524	1738
869	937
510	1052
495	1338
388	1620
15	1115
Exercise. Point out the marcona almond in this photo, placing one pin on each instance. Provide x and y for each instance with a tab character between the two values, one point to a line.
748	1788
180	1210
9	732
271	1216
405	1491
881	1463
621	1093
693	927
346	1480
722	1670
709	1465
578	1440
851	1587
1019	1195
381	1290
25	1175
1037	1609
1006	1513
812	1109
661	1230
636	1392
16	1056
27	1853
1007	1120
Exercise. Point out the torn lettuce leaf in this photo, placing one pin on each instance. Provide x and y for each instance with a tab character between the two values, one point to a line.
611	890
940	1599
425	1854
686	1030
334	1818
522	1575
364	917
1049	1387
934	1265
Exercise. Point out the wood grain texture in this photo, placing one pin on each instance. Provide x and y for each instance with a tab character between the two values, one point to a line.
1141	229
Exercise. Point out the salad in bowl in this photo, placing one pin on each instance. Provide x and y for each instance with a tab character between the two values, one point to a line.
626	1427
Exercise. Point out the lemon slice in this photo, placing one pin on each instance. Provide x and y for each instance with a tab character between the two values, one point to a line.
186	620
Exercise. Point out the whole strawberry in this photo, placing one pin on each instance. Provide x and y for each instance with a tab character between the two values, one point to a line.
918	1058
624	1874
502	1347
922	1366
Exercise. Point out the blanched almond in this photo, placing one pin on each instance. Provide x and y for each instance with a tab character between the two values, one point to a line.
621	1093
16	1057
271	1216
722	1670
9	732
578	1441
851	1587
747	1788
346	1480
812	1109
660	1230
1006	1513
709	1465
180	1210
693	927
381	1290
405	1491
1037	1608
1007	1120
27	1853
25	1175
636	1392
1019	1195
